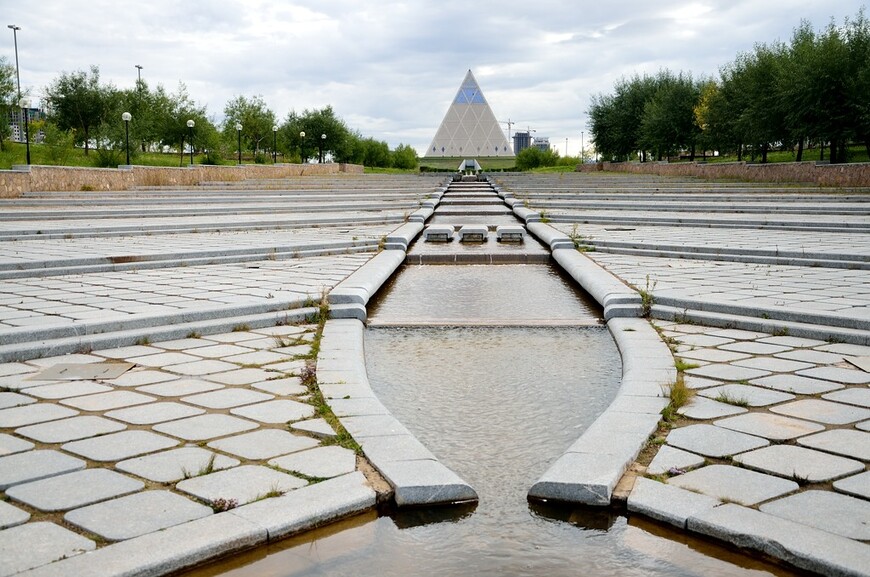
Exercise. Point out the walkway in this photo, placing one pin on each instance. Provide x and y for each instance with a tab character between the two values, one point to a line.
186	451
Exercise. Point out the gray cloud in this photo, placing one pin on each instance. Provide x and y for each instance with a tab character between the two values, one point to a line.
391	68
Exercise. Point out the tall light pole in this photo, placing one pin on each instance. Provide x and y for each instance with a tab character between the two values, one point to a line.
139	72
274	144
582	148
15	30
190	125
239	130
566	147
322	142
302	147
126	117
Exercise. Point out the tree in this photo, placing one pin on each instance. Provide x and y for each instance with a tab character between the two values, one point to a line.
256	120
668	123
858	80
339	141
405	157
534	157
7	97
78	102
174	112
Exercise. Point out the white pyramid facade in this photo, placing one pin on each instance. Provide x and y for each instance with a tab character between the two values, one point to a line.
469	128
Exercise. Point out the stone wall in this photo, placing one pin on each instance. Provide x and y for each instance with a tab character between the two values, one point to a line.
857	174
64	178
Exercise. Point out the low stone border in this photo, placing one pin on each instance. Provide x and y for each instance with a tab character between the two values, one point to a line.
418	478
799	545
195	542
589	469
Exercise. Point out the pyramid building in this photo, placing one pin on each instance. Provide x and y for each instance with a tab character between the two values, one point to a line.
469	128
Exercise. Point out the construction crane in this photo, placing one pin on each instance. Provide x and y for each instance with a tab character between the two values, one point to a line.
509	123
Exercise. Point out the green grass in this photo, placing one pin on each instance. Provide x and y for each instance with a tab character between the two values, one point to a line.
15	153
856	153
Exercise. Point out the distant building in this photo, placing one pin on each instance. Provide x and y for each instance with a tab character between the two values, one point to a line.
469	128
16	121
542	143
522	140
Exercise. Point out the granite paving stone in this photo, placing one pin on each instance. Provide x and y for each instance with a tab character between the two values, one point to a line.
754	348
668	458
797	384
10	444
713	441
67	390
713	355
727	372
179	387
72	490
751	396
154	413
45	542
289	386
242	376
825	510
227	398
9	399
201	368
34	465
837	374
245	484
823	411
264	444
30	414
140	377
699	382
119	446
799	463
278	411
10	515
733	484
666	502
176	464
317	427
773	427
811	356
856	485
220	351
134	515
108	401
204	427
865	426
858	396
738	334
702	408
702	340
846	442
288	367
788	341
70	429
774	365
321	462
257	358
164	359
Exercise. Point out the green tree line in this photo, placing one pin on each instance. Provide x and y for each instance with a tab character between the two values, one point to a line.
82	110
811	91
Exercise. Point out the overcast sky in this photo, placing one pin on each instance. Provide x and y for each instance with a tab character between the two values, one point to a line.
391	68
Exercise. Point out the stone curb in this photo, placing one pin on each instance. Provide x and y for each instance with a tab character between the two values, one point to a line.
195	542
363	283
417	477
403	236
82	266
758	323
617	299
799	545
589	469
581	218
64	345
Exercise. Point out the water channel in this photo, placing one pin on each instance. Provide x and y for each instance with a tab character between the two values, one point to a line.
496	369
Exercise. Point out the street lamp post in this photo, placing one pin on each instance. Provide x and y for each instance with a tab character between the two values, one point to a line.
239	130
139	72
582	148
274	144
15	30
126	117
322	142
190	125
302	147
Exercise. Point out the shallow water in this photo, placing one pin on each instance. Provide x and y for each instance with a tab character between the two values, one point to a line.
497	404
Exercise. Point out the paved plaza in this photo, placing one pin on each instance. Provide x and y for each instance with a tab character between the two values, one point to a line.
203	302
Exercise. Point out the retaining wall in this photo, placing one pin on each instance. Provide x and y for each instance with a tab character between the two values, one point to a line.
857	174
23	179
